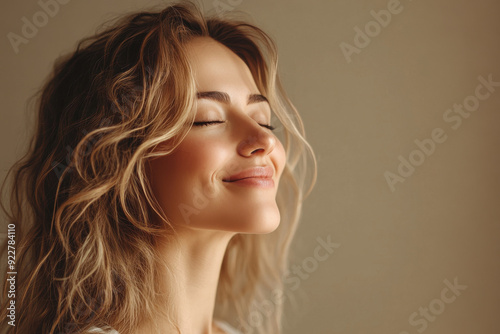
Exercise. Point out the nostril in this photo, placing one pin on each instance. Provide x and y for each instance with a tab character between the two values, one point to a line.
257	143
257	150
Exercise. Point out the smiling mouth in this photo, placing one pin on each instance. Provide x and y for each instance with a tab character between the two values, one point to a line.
247	178
261	182
255	176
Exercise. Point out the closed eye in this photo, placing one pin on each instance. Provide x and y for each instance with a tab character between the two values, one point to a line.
268	126
207	123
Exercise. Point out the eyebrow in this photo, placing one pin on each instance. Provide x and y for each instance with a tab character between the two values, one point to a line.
224	97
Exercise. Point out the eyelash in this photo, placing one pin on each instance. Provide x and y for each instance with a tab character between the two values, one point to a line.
207	123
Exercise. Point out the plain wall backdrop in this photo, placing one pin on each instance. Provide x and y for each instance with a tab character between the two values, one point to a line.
397	105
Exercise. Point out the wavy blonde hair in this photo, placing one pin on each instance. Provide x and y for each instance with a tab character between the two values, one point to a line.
80	199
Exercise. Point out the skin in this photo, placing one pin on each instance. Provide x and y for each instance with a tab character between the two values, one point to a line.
192	189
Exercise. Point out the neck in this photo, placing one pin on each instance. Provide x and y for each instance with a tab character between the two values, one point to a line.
194	261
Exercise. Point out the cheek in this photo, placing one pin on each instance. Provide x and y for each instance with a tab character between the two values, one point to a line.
196	159
176	179
193	157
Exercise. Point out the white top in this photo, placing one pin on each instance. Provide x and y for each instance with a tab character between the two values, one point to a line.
222	324
227	327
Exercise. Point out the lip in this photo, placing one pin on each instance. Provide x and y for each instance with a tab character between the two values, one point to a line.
255	176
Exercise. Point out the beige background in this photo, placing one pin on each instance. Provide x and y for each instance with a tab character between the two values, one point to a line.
396	247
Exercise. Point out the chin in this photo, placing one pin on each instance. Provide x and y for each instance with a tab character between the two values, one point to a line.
264	220
260	223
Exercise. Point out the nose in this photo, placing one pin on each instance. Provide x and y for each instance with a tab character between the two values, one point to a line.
256	140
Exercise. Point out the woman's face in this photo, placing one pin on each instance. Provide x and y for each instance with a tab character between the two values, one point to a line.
225	173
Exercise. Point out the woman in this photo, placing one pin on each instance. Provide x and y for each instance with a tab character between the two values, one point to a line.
146	201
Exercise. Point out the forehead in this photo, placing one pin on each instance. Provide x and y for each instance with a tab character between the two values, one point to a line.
216	67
